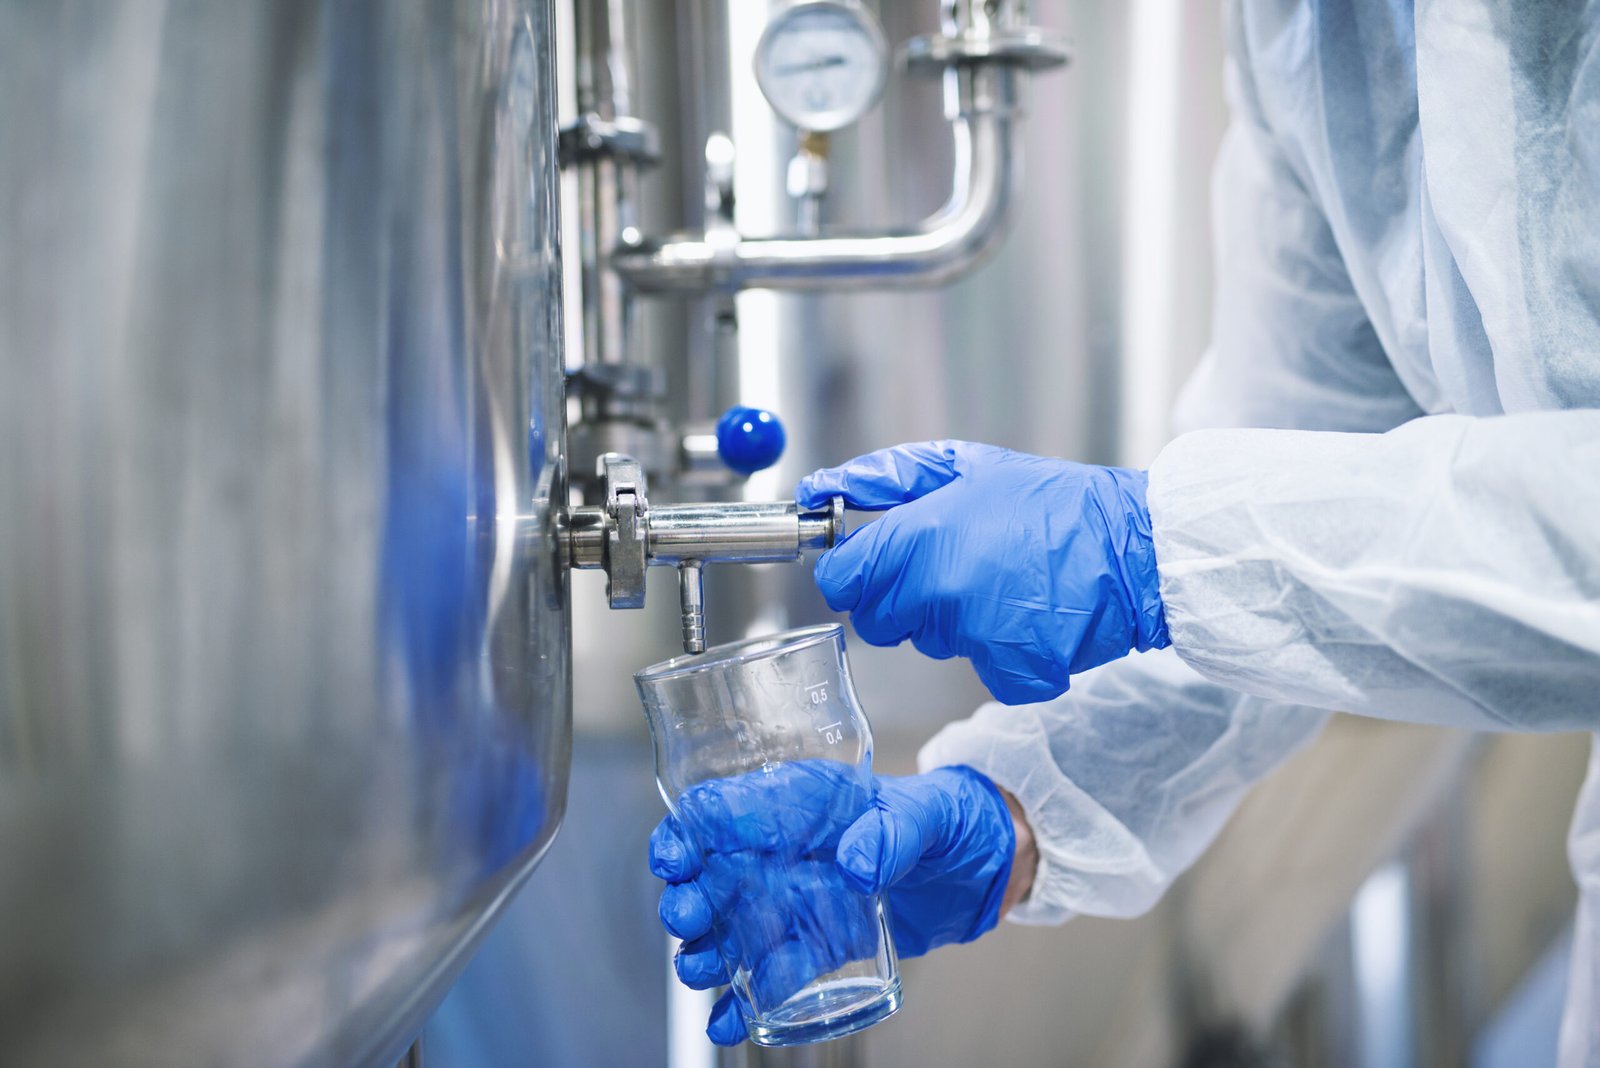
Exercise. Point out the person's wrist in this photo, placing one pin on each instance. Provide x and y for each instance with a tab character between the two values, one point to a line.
1024	856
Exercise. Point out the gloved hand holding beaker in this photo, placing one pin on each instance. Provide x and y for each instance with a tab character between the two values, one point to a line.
764	757
940	843
1033	568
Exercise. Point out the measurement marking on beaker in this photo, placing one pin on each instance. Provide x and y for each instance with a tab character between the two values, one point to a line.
832	733
818	692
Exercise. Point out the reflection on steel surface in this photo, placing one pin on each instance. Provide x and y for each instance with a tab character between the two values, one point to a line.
284	699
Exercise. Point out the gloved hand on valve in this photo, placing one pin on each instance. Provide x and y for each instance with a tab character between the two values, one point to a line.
776	867
1033	568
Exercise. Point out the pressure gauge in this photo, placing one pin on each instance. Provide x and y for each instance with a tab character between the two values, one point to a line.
822	63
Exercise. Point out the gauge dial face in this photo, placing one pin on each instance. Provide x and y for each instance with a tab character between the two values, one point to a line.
822	64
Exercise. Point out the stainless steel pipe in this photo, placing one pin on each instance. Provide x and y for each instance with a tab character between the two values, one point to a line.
748	532
955	239
607	146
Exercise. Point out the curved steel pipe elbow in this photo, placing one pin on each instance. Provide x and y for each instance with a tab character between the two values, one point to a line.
954	240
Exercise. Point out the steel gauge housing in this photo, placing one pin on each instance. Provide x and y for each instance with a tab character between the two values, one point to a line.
822	64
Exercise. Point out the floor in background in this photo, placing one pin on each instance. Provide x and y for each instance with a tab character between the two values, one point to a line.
1525	1031
574	974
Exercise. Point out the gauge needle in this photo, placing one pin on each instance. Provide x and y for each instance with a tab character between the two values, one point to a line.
820	63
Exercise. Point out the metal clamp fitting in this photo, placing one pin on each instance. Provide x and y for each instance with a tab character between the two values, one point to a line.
627	548
1028	47
592	137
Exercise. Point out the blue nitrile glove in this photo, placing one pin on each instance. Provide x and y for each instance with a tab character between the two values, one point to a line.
1034	569
780	878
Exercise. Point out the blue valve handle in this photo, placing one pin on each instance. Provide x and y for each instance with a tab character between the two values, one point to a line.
749	439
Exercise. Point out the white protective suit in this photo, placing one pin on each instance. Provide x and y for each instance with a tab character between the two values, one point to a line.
1407	209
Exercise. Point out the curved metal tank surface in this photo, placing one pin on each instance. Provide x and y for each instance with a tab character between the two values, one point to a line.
284	658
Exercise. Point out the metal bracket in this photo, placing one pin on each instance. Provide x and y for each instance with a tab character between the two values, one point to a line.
627	549
592	137
1027	47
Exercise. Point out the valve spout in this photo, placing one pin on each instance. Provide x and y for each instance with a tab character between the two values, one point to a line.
692	593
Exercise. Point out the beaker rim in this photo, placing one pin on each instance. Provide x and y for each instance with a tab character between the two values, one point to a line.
741	652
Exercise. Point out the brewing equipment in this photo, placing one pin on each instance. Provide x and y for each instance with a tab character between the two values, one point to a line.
284	654
285	520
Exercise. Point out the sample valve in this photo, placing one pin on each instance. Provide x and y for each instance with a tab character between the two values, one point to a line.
628	534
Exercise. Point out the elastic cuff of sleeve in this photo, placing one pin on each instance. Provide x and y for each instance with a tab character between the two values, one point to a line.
1088	861
1006	854
1036	910
1140	573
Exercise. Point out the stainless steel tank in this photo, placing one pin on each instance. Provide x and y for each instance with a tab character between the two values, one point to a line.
284	654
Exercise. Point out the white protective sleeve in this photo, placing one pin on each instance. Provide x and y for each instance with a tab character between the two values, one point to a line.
1126	778
1446	572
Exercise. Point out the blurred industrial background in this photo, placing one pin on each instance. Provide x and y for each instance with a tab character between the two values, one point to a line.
1072	341
298	302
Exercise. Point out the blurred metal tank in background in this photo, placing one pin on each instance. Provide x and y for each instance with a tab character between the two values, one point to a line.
284	658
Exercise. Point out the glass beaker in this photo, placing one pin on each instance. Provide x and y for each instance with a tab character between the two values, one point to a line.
764	755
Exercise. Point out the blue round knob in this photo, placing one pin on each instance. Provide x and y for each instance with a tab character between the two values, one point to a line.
749	439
